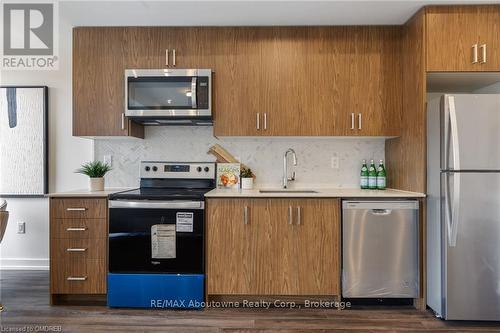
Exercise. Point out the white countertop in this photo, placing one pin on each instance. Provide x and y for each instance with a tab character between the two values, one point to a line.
320	193
86	193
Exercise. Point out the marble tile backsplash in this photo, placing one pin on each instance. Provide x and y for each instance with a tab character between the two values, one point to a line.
263	155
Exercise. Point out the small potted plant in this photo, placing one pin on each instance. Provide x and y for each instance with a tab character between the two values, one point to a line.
246	176
96	171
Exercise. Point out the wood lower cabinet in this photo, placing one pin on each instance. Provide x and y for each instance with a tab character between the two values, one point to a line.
463	38
78	246
273	247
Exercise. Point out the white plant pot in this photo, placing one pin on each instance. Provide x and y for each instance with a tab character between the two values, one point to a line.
96	184
246	183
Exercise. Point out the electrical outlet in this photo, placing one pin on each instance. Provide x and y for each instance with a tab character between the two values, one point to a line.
334	162
21	227
108	159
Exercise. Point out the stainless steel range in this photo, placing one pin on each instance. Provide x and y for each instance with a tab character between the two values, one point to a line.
156	232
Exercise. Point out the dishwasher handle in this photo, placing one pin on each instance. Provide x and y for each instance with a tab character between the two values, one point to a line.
381	212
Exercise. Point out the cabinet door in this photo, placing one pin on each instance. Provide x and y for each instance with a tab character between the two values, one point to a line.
374	96
144	48
315	247
193	47
489	35
233	247
98	83
451	33
303	69
237	83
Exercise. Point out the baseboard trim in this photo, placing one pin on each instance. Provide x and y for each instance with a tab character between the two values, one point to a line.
30	264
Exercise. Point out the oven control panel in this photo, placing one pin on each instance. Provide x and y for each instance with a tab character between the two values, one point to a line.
184	170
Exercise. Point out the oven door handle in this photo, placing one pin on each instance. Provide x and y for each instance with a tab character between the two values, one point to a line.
149	204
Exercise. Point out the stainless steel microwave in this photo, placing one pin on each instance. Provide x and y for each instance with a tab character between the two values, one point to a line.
169	96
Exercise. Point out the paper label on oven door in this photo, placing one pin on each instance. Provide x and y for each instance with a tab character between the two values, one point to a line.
163	241
184	222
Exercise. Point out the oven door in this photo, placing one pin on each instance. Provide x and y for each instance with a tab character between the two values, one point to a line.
156	236
172	93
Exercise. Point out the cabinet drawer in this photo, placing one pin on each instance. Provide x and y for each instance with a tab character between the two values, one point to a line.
78	276
71	249
78	228
71	208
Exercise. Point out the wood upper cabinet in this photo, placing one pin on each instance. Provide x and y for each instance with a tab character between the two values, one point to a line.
268	81
308	81
372	72
463	38
489	37
238	89
98	84
273	247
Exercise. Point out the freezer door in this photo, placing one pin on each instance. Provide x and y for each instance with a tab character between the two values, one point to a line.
471	229
470	132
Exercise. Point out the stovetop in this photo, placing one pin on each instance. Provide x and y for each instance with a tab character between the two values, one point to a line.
172	181
161	194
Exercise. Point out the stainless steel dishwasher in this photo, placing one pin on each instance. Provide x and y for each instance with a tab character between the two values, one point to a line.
380	251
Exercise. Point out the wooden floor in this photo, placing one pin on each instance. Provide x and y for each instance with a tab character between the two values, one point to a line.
24	295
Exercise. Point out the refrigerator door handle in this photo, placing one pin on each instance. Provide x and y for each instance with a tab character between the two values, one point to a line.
453	212
454	132
456	209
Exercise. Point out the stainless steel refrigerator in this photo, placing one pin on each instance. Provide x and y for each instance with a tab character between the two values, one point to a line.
463	212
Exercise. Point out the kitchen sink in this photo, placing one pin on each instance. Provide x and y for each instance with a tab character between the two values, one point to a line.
287	191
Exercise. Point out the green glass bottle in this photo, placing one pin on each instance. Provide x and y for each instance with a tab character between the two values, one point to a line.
372	176
381	176
364	176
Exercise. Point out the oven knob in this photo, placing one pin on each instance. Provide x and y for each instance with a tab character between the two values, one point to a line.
155	169
206	169
147	168
198	169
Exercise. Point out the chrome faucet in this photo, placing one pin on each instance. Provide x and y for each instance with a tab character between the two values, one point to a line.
285	167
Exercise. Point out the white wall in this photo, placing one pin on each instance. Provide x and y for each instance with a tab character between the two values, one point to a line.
66	153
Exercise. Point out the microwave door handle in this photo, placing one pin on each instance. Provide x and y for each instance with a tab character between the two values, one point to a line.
193	92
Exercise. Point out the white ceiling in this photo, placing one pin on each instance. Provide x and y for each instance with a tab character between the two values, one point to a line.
242	13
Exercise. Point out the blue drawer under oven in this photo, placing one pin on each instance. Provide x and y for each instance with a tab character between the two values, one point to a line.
156	290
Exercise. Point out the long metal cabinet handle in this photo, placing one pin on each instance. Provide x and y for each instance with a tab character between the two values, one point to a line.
290	215
483	53
298	215
193	92
166	58
258	121
245	215
76	278
71	249
352	121
474	54
359	121
123	121
453	229
173	57
76	229
76	209
265	120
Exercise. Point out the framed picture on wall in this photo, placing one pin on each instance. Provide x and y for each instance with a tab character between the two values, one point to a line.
23	140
